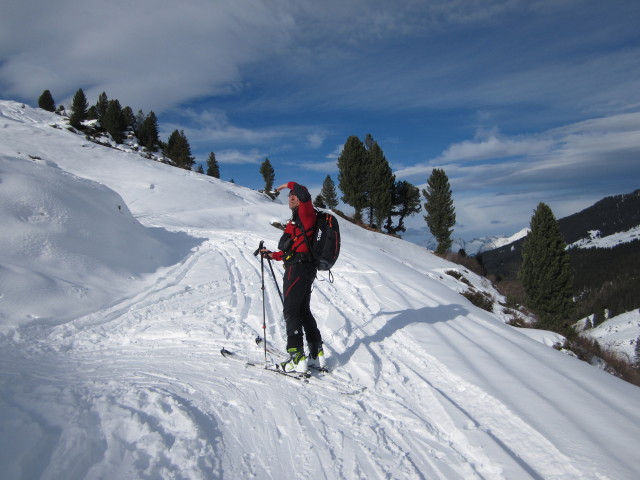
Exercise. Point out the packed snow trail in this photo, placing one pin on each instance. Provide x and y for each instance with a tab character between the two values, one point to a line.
136	387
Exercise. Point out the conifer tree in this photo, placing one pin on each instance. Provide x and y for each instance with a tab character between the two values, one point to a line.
140	116
352	170
441	216
213	169
147	132
318	202
380	180
637	352
92	113
179	150
546	273
406	202
78	109
101	105
269	175
113	121
46	101
328	194
129	118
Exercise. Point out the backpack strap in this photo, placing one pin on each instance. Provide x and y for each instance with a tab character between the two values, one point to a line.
298	223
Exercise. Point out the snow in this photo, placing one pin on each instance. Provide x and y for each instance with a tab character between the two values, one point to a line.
618	333
121	278
479	245
610	241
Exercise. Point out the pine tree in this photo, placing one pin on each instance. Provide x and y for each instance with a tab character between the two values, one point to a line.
147	132
179	150
352	170
140	116
46	101
269	175
101	105
200	169
637	352
381	180
129	118
406	202
318	202
328	194
113	121
78	109
213	169
546	273
92	113
441	216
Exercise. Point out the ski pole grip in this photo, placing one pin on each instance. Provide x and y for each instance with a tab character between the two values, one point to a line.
260	247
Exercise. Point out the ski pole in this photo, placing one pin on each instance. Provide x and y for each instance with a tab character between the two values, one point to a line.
275	280
264	314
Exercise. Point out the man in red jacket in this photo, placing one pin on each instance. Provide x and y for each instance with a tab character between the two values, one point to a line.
299	274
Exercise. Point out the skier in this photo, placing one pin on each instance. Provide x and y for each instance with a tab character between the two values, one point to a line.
299	275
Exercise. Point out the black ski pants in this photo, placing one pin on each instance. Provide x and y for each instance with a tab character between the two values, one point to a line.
298	280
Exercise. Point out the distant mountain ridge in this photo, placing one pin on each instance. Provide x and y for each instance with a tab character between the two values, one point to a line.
483	244
607	273
610	215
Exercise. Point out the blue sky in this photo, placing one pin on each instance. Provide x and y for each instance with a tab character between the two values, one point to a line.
520	102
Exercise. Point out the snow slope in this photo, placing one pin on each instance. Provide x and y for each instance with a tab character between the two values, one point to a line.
128	382
610	241
619	334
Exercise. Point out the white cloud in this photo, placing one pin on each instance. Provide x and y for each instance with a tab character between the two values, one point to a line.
211	126
315	140
499	180
236	157
329	166
150	54
335	154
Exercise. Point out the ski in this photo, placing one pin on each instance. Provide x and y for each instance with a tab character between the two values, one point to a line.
325	384
279	353
275	368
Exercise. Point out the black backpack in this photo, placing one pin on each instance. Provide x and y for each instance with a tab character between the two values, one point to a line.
324	245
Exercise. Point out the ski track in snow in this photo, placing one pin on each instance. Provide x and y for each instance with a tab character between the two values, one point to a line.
163	419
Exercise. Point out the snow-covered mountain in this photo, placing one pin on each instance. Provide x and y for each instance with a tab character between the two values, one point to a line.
479	245
121	278
595	240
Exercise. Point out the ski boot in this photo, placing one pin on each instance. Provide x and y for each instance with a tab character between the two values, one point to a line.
296	362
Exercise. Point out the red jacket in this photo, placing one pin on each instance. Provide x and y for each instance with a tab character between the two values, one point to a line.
306	214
